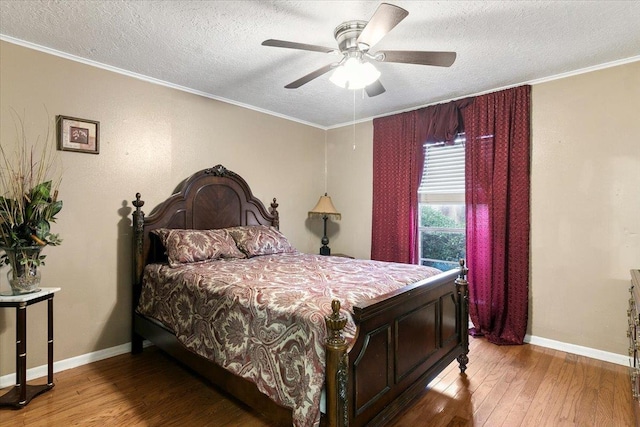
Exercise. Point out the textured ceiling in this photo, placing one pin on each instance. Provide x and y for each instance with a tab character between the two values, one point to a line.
213	47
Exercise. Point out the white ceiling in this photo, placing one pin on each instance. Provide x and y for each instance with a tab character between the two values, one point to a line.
214	47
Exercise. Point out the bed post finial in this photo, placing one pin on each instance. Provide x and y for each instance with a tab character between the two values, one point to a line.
336	368
335	324
462	288
463	270
273	210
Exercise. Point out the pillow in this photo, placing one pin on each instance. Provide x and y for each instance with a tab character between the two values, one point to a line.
191	246
256	240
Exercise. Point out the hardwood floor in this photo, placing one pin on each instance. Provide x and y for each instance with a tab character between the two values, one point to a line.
504	386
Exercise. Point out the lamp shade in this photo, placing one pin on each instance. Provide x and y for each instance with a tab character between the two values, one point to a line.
324	207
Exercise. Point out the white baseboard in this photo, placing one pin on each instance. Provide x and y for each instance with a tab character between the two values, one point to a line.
593	353
74	362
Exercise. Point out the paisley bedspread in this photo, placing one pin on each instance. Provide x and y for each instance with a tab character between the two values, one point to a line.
262	318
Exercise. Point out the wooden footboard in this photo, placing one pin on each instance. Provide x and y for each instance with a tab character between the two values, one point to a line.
404	340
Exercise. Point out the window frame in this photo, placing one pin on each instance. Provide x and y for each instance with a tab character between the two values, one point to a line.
440	197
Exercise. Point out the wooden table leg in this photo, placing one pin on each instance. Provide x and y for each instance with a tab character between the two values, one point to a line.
21	352
50	342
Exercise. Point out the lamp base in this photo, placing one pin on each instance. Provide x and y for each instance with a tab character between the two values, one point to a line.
325	250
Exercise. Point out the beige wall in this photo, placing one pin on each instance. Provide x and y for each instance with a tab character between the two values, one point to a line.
585	198
349	184
151	137
585	206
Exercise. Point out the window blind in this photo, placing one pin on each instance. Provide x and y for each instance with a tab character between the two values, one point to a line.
443	171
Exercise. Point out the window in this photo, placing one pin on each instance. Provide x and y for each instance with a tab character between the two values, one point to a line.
441	231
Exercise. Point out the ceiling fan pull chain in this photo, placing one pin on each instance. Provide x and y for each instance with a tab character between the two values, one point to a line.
354	118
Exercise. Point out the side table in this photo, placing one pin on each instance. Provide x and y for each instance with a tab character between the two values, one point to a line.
342	255
22	393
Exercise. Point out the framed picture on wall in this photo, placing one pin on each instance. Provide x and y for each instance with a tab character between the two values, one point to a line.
78	135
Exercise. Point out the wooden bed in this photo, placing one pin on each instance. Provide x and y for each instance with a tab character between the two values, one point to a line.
403	339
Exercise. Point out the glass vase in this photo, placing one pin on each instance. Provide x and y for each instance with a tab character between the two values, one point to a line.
24	272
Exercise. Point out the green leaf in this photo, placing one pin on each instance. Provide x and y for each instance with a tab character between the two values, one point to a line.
43	228
41	191
54	209
54	240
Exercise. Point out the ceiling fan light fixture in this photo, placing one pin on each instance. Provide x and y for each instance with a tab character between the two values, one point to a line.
355	74
355	39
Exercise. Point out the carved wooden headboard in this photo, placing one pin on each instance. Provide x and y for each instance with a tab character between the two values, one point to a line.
211	198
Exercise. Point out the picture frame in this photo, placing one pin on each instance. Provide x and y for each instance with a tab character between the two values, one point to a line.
79	135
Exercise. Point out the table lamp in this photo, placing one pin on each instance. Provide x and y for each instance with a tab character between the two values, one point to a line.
324	209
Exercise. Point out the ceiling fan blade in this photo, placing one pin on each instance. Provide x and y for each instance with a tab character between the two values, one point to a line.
294	45
375	89
439	59
312	75
383	20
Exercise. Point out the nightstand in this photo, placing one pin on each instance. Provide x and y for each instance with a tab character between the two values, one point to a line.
22	393
343	255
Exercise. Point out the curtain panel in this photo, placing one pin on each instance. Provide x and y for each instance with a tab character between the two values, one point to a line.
497	128
398	158
397	169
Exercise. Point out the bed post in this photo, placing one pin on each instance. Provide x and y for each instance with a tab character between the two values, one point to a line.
138	264
462	288
273	210
336	368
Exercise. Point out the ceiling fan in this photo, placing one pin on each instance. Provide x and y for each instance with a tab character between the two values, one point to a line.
355	39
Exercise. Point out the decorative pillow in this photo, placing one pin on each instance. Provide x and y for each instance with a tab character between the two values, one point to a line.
190	246
256	240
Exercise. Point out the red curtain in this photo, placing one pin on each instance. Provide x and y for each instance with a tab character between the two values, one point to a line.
397	169
398	158
497	201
